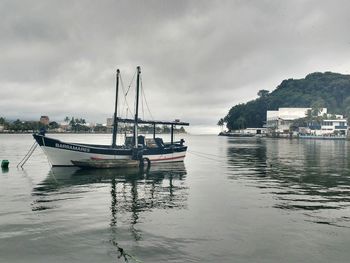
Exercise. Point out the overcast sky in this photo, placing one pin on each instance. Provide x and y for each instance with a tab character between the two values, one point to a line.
198	58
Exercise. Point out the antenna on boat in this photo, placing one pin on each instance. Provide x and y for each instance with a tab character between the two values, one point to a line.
137	107
115	122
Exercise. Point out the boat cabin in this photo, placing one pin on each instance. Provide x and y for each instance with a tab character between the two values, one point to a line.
144	142
153	142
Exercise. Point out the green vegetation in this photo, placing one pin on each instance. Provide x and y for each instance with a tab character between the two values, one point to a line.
21	126
77	125
2	121
316	90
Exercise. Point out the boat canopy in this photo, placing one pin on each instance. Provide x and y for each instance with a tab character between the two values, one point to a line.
174	123
154	123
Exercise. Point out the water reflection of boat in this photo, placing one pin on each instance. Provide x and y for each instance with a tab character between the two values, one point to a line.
158	185
129	192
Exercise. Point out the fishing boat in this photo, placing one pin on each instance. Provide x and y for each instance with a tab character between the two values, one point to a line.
136	147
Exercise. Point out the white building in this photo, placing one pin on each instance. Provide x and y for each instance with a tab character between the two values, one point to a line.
329	127
254	131
280	120
109	122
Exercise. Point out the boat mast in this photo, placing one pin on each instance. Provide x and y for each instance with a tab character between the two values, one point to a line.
137	107
115	123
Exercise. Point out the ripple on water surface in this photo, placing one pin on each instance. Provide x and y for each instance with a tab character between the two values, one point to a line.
312	177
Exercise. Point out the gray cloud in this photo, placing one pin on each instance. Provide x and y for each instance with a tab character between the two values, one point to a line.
198	58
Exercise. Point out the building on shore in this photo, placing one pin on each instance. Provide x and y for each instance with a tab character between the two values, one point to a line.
254	131
44	120
279	122
328	127
109	122
64	126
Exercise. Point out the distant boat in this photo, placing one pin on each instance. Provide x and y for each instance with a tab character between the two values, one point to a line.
236	134
322	137
61	153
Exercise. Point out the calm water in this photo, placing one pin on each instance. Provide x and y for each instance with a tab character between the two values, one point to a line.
245	200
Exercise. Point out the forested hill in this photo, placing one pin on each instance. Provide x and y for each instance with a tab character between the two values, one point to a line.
329	90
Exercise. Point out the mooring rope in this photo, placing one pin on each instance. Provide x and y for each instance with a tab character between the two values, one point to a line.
27	156
205	156
215	155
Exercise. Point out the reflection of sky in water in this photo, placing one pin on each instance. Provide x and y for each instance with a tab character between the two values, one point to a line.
308	176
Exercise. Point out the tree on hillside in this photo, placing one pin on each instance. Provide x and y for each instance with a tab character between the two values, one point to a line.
2	121
263	93
221	123
316	90
241	122
54	125
17	125
347	108
72	122
316	107
302	122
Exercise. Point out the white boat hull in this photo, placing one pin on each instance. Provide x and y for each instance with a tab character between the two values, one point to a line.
63	157
63	153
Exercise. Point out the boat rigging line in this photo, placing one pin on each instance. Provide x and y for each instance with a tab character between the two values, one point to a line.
126	105
143	111
125	94
132	80
144	96
125	109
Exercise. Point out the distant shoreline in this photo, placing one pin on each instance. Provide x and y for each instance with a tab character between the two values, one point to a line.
31	132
